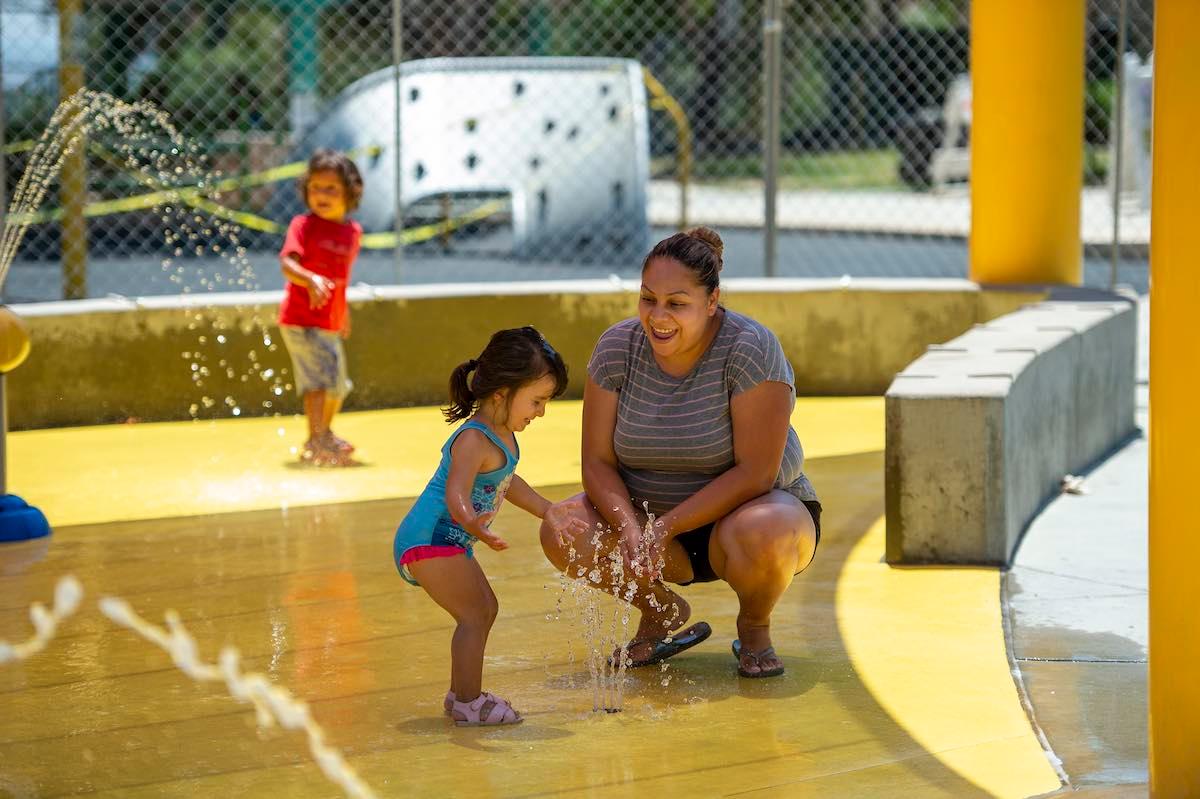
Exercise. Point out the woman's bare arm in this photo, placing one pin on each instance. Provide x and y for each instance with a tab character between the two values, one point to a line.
761	417
601	481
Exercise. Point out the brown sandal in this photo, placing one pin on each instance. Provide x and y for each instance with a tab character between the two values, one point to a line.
756	658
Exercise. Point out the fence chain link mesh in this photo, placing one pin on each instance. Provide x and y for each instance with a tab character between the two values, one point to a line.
544	138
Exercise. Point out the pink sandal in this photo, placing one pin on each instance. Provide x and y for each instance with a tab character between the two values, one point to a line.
485	710
448	702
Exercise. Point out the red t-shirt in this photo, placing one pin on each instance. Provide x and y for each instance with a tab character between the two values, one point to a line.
329	249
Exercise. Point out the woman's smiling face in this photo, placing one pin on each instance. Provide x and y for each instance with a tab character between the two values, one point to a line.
674	308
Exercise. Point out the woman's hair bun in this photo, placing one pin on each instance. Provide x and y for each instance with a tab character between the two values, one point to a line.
709	237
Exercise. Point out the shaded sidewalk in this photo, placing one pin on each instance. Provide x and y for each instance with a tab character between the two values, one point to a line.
1077	612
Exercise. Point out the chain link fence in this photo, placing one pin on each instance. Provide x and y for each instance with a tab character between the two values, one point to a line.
541	138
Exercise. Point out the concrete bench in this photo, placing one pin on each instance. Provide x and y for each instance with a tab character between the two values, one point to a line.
982	429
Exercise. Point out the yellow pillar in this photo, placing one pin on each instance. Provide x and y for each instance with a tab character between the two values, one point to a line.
1174	393
1026	140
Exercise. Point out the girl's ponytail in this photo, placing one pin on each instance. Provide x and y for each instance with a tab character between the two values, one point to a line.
462	399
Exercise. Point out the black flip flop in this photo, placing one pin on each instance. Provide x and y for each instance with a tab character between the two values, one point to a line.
737	653
663	649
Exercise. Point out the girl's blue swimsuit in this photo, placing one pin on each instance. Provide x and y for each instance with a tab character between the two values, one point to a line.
429	522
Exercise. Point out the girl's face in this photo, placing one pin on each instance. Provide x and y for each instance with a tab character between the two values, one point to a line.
327	195
674	308
528	402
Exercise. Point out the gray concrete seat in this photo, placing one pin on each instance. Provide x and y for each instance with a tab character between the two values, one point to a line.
982	429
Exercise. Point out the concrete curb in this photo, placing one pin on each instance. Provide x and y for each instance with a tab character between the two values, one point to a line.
982	430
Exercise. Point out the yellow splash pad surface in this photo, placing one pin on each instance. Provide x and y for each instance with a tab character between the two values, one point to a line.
897	682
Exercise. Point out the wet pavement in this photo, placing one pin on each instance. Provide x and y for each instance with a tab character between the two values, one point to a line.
1077	609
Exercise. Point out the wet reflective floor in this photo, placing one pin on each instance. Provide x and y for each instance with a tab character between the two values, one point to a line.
1078	601
897	681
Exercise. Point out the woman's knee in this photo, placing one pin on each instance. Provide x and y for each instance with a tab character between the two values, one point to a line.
551	545
772	546
763	540
557	552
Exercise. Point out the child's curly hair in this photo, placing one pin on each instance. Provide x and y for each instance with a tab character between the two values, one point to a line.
325	160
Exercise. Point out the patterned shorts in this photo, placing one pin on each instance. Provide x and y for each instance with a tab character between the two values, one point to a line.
318	359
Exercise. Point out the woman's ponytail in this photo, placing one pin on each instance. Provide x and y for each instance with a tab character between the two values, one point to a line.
462	399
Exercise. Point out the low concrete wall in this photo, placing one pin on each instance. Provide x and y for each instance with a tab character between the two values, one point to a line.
166	358
982	429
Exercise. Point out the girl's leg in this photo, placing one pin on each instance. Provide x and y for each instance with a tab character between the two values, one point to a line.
663	611
757	549
459	586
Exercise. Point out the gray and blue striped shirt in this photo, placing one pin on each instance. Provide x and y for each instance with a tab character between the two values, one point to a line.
674	435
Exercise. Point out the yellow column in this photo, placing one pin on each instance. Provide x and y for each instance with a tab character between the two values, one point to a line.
1026	140
1174	392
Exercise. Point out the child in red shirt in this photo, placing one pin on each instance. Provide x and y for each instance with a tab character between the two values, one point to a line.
317	256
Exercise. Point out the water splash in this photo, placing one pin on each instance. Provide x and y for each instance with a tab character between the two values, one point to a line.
272	703
604	627
67	595
140	142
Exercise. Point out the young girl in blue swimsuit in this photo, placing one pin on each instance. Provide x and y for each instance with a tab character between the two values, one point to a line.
499	394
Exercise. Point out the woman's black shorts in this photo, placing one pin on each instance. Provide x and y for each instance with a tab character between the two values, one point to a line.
695	543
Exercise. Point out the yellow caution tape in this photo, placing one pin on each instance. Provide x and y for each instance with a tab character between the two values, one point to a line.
19	146
195	198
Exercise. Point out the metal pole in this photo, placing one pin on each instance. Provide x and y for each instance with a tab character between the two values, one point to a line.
772	58
397	55
3	224
3	439
1025	211
3	124
1173	691
73	180
1118	104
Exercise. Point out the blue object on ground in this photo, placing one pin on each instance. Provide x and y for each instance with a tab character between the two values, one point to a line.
20	521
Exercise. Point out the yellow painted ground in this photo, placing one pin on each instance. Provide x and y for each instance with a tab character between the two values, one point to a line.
898	683
86	475
927	644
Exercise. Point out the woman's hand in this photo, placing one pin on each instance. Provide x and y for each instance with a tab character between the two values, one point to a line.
478	527
642	549
565	524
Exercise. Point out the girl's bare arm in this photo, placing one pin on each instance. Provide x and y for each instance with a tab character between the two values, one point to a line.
466	461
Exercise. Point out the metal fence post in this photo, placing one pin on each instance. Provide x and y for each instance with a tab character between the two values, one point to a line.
397	56
73	181
1118	103
772	58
